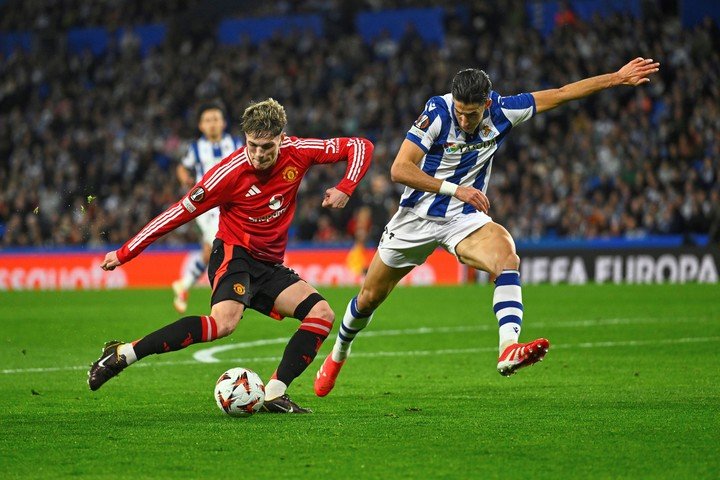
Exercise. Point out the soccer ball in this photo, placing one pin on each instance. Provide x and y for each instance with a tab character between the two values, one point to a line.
239	392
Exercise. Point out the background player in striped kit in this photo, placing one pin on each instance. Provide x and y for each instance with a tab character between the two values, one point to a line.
445	163
203	154
256	190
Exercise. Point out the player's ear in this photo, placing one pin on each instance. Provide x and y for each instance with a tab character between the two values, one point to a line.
282	137
488	102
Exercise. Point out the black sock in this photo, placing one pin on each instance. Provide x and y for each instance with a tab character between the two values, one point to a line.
178	335
299	353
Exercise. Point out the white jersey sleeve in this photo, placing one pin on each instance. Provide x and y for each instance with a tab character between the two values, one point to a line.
429	125
516	108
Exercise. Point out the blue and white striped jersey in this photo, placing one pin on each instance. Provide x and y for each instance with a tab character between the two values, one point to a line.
453	155
203	154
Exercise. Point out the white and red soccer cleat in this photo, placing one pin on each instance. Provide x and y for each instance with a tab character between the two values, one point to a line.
519	355
326	376
181	296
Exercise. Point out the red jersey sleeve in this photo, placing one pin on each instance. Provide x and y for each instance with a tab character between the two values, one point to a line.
356	150
213	189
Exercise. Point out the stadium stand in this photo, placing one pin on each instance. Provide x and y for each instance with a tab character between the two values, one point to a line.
90	134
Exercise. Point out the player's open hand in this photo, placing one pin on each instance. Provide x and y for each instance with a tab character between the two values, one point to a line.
637	71
111	261
474	197
334	198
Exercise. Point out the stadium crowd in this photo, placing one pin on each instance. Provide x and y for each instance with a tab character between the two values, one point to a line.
89	144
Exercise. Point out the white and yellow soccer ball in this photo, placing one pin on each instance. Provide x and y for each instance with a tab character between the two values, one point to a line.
239	392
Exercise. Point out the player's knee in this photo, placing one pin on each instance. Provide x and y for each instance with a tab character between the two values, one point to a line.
322	310
226	325
226	320
507	260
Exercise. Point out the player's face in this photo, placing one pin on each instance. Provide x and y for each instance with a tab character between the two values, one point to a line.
469	115
262	150
212	124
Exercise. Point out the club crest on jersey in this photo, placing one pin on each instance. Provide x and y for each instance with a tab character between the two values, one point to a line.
290	174
239	288
197	195
276	202
486	130
422	122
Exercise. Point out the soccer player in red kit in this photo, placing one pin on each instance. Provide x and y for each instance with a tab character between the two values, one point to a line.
255	188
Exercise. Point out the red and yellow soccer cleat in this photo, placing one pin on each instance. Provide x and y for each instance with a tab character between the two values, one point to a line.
519	355
326	376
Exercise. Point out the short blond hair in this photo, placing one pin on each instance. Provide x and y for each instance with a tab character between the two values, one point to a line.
264	119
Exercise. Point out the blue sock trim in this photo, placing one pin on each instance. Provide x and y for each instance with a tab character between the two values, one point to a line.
344	338
509	304
348	329
509	319
354	310
508	278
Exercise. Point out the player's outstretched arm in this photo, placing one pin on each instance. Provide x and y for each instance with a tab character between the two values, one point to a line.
213	189
634	73
405	170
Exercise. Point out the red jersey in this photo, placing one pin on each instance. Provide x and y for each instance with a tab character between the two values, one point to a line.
256	206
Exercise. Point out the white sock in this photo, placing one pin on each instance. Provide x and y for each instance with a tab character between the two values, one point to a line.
194	269
508	307
274	389
129	352
352	323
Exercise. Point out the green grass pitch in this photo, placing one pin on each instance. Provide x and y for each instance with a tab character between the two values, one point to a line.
629	389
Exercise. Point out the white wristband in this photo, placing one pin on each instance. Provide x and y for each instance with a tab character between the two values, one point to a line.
447	188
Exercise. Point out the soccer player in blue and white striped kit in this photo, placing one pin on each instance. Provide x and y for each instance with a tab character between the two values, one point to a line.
445	163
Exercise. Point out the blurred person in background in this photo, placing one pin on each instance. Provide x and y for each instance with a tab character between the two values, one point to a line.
202	155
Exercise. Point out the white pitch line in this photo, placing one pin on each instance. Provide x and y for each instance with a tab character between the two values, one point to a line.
456	351
207	355
404	353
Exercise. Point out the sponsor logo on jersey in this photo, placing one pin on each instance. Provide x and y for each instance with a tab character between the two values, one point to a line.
290	174
188	205
269	216
276	202
239	288
467	147
197	195
422	122
254	190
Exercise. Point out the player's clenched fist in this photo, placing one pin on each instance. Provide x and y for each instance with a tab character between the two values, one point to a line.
111	261
334	198
474	197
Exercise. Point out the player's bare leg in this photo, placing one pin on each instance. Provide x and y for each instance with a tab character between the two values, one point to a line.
303	302
195	268
492	249
116	355
379	282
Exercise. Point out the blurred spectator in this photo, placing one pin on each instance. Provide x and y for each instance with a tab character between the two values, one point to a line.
88	144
